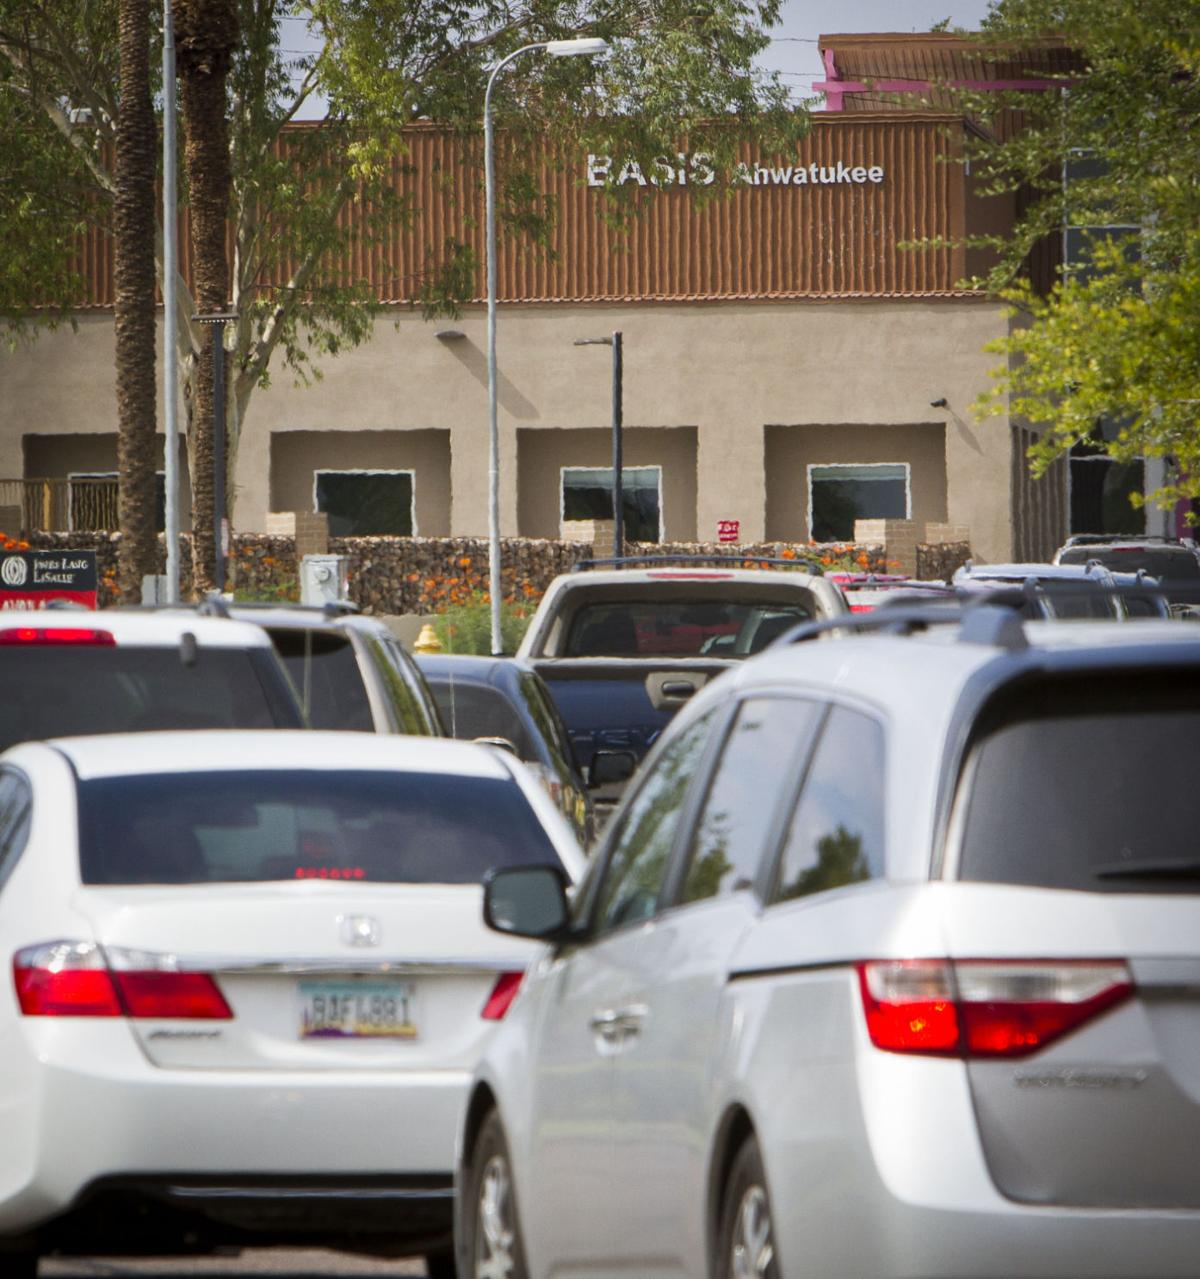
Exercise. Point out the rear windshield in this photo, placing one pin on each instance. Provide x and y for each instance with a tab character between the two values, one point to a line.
680	628
325	671
1167	565
377	826
66	691
1088	783
477	710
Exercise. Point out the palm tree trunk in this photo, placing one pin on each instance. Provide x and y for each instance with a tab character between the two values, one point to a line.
133	230
205	36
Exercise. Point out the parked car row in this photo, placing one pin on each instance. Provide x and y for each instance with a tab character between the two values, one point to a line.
861	941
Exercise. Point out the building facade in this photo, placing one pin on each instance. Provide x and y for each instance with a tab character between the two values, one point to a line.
790	363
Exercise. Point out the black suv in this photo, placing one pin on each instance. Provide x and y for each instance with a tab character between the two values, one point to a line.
1173	563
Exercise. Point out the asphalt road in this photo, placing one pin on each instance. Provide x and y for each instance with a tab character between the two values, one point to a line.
284	1263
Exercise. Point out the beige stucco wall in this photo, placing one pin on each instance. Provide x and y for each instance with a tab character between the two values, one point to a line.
727	369
295	455
790	450
541	454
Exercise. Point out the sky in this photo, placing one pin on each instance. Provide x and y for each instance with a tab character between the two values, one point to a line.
793	49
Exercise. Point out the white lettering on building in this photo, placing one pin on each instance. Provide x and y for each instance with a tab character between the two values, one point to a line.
697	169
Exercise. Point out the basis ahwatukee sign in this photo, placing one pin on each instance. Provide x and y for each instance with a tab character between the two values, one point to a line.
31	579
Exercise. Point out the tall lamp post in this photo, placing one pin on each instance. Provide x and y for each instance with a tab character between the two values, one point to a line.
618	502
556	49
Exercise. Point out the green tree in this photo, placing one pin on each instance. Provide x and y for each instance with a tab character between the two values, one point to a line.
1118	336
679	69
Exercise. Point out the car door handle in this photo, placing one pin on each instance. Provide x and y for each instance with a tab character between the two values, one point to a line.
630	1019
606	1022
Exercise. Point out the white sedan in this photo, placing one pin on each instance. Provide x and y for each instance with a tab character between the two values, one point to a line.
249	985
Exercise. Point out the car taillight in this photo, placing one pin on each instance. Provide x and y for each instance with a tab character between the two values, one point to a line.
77	979
69	635
503	993
984	1008
65	979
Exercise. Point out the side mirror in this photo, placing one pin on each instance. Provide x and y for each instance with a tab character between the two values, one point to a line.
610	766
526	901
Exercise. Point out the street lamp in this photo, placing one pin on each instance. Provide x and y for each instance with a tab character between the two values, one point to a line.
556	49
617	415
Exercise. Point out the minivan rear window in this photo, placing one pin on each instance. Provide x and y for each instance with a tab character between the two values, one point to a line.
1088	783
373	826
65	691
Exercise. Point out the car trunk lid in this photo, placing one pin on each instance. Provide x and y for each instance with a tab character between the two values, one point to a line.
316	975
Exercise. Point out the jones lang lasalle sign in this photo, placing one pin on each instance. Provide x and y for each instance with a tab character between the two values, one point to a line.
697	170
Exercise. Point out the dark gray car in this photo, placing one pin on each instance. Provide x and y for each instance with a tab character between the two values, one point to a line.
350	672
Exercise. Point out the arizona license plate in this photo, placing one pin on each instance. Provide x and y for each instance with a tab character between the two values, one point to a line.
376	1009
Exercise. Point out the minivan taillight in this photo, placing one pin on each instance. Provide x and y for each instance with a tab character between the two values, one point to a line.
984	1007
77	979
503	993
73	636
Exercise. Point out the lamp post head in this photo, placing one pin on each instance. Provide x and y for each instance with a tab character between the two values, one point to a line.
582	45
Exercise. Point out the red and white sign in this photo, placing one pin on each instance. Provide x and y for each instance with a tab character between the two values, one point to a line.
31	579
729	530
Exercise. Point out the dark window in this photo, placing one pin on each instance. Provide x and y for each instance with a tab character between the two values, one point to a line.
1100	493
836	834
587	494
406	669
324	669
641	852
680	628
839	495
61	692
554	732
757	762
379	826
16	806
408	709
478	710
1088	783
366	503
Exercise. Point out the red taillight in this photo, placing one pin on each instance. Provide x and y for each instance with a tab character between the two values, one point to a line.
69	635
193	996
65	979
503	993
984	1008
74	979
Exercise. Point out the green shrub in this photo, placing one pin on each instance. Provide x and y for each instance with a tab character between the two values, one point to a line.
467	627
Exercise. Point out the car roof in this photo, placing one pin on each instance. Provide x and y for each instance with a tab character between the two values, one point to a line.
473	668
224	750
149	629
915	673
300	617
655	577
1020	572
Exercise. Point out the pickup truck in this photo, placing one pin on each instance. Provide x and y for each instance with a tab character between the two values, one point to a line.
623	648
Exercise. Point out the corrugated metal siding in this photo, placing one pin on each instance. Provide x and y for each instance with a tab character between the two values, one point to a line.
1038	507
761	242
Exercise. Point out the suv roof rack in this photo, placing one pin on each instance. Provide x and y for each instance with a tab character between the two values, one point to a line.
1100	539
725	561
330	608
990	621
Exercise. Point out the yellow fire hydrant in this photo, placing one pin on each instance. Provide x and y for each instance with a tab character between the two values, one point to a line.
427	641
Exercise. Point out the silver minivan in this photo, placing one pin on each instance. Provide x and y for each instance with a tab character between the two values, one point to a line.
887	965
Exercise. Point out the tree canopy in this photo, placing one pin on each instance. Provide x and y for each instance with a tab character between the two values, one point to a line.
1109	164
677	67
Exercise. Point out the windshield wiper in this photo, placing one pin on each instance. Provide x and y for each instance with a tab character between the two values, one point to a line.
1167	868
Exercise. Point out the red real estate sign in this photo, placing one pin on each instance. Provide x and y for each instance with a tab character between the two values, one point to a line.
31	579
729	530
